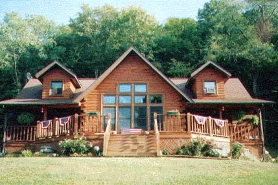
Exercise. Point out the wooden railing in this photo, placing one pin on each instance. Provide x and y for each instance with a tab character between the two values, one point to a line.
107	135
171	122
20	133
188	122
244	131
55	127
209	126
157	136
91	123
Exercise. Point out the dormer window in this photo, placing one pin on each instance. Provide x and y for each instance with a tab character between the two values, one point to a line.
56	88
209	87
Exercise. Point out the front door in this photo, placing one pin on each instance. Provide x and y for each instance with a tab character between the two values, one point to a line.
124	117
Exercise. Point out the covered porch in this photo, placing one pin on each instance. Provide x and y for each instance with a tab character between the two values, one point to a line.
169	131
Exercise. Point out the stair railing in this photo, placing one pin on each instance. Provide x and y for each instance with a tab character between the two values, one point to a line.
157	137
107	135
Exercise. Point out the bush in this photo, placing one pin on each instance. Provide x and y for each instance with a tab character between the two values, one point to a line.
79	146
40	154
26	153
236	151
165	152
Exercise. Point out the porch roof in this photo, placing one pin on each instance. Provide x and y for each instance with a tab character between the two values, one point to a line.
231	101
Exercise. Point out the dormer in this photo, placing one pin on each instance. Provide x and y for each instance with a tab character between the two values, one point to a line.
207	82
57	81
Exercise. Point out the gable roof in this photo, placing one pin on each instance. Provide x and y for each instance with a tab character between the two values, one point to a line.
118	62
74	78
210	63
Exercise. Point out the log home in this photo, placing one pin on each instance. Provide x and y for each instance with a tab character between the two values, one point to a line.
148	112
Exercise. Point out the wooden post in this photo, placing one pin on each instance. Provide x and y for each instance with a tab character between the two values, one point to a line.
210	126
75	128
188	121
5	133
38	129
262	131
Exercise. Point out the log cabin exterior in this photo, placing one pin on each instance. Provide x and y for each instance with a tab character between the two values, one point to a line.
144	106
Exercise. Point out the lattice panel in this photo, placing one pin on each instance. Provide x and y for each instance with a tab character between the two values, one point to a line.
172	144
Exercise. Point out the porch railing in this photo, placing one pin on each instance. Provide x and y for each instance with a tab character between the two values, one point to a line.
208	126
193	124
244	131
107	135
20	133
55	127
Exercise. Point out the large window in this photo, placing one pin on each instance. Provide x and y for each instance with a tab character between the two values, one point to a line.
56	88
133	106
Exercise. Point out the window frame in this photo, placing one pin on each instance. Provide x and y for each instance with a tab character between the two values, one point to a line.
51	92
206	87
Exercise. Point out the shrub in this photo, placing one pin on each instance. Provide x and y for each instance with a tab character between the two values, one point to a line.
27	153
165	152
40	154
236	151
79	146
207	149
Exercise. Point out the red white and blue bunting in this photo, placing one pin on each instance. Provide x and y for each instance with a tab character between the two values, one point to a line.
219	122
65	120
46	124
200	119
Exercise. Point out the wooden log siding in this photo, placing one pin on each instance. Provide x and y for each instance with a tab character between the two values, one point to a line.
20	133
244	131
209	74
131	71
57	74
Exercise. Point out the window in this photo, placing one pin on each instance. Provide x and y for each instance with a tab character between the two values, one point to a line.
132	106
56	88
156	99
124	88
138	88
140	99
209	87
109	99
124	99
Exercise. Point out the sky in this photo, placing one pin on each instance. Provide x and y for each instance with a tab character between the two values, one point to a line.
60	11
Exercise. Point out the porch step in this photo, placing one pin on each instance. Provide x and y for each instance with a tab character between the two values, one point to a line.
132	145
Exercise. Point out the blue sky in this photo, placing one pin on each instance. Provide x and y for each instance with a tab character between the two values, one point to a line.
60	11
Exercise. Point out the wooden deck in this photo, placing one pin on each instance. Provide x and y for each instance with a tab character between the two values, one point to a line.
170	132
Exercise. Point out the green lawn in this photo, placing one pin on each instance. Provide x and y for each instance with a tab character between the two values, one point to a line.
164	170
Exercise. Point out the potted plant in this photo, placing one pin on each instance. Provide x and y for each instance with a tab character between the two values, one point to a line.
26	118
173	112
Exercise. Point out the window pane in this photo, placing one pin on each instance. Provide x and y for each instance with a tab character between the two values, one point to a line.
140	99
209	87
158	110
106	111
209	84
125	99
109	99
124	88
140	88
156	98
56	87
124	117
140	117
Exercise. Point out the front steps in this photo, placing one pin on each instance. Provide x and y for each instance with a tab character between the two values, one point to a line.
132	146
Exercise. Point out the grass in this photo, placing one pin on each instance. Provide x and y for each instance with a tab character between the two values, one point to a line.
165	170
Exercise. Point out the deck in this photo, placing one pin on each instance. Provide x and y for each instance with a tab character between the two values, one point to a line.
169	132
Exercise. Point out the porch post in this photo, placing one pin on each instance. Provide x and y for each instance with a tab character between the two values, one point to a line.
210	126
75	123
188	123
262	130
5	133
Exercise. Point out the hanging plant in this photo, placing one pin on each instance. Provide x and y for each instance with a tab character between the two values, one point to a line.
26	118
251	119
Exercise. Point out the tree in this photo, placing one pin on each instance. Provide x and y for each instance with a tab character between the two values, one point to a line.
21	43
233	41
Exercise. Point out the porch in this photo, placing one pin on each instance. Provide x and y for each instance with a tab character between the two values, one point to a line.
169	132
